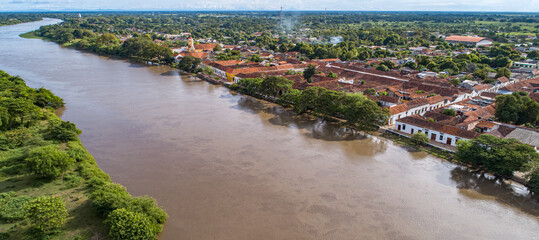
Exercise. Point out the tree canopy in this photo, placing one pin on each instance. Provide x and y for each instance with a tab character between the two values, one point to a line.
517	108
502	156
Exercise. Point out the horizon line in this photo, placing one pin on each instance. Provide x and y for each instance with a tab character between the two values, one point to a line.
246	10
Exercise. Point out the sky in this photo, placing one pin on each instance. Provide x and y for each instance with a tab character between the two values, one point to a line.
291	5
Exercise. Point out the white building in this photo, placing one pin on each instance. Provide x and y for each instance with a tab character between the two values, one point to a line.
416	106
437	132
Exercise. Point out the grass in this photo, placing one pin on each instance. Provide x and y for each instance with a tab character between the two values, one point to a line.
82	222
30	35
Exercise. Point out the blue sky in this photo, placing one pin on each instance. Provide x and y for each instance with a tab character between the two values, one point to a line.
369	5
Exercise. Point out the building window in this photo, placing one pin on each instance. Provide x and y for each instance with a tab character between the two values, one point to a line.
441	137
403	126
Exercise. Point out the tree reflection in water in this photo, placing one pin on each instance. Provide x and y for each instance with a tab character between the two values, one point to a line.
318	128
478	185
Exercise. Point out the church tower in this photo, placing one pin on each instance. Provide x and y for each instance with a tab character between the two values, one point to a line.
190	45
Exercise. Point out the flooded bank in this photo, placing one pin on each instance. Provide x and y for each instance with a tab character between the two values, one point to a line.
227	166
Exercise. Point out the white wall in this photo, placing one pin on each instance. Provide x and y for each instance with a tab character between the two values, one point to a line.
440	137
418	110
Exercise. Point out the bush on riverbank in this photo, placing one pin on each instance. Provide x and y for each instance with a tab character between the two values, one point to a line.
36	149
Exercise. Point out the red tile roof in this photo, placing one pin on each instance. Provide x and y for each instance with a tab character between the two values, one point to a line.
440	127
205	46
200	55
485	124
456	38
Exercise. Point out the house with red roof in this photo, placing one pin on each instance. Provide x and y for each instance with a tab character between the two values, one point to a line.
415	107
436	131
466	40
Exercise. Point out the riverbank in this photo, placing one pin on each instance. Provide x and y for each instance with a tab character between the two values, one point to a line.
33	143
17	21
31	35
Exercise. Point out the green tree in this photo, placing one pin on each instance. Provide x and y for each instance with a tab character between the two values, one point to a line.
108	197
250	86
362	112
309	72
411	64
503	72
48	161
533	55
370	91
307	99
450	112
502	156
382	68
128	225
18	109
480	73
455	81
47	213
64	131
106	39
501	62
255	58
332	75
14	208
217	48
419	139
45	98
388	63
517	108
275	85
189	63
533	183
135	46
328	103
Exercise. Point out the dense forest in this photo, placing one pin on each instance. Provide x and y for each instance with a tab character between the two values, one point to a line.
16	18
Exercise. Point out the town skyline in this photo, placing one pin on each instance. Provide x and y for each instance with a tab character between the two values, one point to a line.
297	5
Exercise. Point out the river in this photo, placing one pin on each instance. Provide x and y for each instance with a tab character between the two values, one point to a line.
227	166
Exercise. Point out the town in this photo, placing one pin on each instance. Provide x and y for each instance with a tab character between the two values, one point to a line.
280	124
445	107
444	85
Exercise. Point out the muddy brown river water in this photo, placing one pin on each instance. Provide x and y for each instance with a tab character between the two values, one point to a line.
227	166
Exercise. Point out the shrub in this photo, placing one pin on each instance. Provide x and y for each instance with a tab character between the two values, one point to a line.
148	207
47	213
419	139
48	162
72	180
332	75
125	224
109	197
76	151
4	197
450	112
65	131
14	209
45	98
14	138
